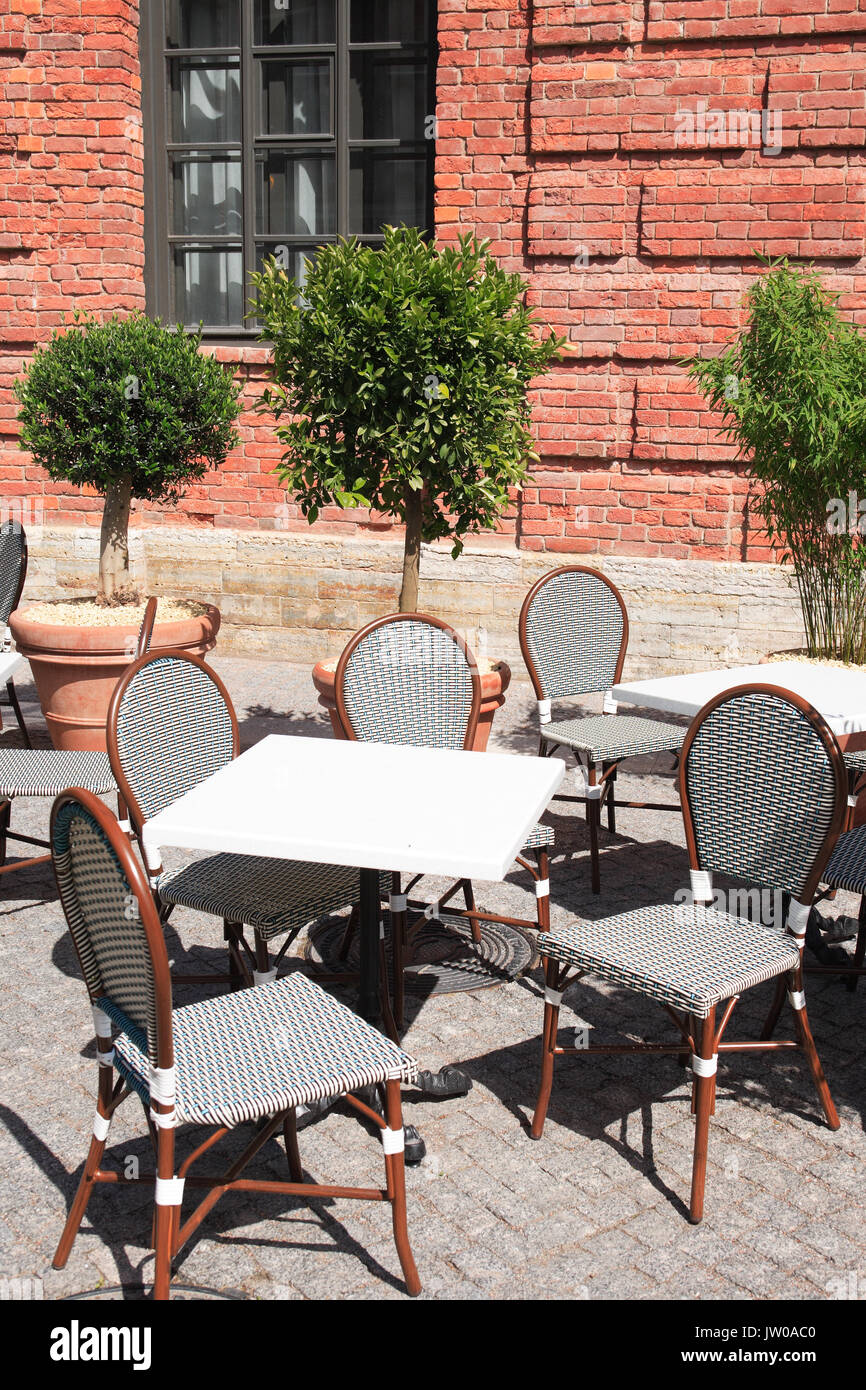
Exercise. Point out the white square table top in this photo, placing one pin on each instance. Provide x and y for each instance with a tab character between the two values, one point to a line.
9	663
365	805
838	694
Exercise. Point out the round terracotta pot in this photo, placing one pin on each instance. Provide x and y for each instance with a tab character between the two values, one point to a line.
493	687
76	668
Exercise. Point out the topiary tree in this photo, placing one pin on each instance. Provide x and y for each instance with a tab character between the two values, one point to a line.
400	379
132	408
792	394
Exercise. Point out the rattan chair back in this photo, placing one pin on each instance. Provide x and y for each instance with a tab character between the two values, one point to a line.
409	679
113	921
13	566
170	725
573	633
764	789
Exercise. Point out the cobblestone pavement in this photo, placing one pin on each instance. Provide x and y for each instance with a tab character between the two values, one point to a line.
595	1210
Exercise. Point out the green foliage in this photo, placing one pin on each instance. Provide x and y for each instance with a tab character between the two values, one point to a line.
403	370
127	399
792	393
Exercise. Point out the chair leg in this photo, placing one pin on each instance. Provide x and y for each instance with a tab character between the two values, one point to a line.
165	1219
542	860
13	700
293	1153
705	1101
611	802
593	818
398	952
469	899
775	1010
349	932
85	1189
860	948
807	1043
548	1043
5	817
263	971
395	1178
237	975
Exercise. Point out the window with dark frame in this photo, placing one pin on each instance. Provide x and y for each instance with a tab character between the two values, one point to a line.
271	128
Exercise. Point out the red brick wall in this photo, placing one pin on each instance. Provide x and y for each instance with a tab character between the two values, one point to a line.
562	136
563	139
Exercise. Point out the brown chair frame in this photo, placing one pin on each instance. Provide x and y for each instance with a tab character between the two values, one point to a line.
403	932
703	1037
547	749
170	1235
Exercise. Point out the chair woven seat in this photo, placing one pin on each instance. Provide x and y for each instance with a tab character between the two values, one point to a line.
49	771
259	1051
608	737
271	895
847	866
856	761
540	836
689	957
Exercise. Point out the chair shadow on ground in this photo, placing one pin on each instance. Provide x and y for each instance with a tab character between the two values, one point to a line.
257	721
121	1215
593	1094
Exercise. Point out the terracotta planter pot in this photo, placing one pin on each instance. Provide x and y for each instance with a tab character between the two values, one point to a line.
77	668
493	687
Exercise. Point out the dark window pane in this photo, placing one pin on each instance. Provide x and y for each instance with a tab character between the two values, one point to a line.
386	188
292	259
389	21
296	97
387	97
205	100
204	24
208	285
206	197
295	194
296	21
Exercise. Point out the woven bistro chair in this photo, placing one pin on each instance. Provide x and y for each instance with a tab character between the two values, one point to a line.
171	724
252	1056
49	771
13	572
411	679
763	792
573	635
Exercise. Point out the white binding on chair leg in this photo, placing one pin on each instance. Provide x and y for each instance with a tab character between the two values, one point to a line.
393	1141
169	1192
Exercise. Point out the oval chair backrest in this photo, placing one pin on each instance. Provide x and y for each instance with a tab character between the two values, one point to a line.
573	633
111	915
763	788
409	679
13	566
170	725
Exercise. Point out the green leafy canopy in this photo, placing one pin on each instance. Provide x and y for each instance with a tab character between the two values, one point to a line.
127	399
403	369
791	390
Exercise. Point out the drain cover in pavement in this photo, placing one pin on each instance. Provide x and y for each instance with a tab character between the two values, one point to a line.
445	959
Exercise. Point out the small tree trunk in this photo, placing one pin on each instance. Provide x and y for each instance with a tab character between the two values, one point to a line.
412	552
114	540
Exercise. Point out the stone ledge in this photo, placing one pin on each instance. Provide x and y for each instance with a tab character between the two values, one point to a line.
299	597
